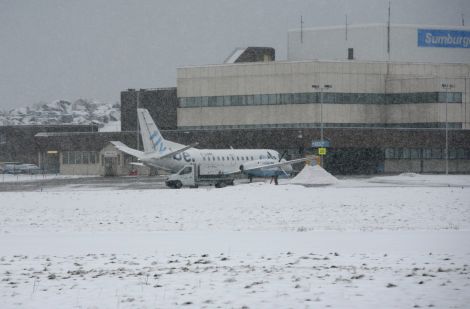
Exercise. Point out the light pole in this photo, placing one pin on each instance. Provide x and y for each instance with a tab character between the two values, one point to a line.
447	87
137	128
321	88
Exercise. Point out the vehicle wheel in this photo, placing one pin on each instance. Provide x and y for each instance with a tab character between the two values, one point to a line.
178	184
220	184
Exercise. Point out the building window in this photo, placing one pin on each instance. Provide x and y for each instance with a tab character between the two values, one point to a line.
80	157
65	157
85	157
436	153
427	153
452	154
350	53
389	153
328	97
415	153
405	153
460	153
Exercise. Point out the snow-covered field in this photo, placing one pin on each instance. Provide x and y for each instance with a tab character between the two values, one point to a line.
8	178
383	242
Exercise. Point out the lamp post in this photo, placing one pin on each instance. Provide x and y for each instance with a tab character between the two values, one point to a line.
137	128
447	87
321	88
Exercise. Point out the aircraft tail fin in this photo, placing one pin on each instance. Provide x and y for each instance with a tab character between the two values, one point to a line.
152	139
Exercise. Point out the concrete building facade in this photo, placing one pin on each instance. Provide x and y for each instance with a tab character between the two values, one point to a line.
379	42
362	94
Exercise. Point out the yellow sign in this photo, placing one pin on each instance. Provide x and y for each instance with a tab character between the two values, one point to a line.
322	151
52	152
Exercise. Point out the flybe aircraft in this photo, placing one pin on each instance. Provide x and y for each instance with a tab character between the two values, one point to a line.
172	156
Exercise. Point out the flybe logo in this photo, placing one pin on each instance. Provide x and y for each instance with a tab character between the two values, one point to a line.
443	38
157	142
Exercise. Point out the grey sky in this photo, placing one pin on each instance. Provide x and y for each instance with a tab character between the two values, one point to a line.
53	49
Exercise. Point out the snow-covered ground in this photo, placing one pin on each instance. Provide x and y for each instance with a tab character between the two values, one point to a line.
384	242
35	177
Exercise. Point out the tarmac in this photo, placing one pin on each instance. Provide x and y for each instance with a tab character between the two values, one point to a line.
86	183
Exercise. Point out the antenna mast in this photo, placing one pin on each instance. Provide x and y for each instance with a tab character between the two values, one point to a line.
301	29
388	32
346	27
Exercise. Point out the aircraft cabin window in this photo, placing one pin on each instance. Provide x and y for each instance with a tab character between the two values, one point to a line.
238	159
218	158
247	158
204	158
223	158
252	158
228	158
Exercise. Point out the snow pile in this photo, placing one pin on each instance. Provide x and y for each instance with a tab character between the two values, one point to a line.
314	176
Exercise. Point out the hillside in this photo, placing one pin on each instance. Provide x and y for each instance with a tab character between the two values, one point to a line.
81	111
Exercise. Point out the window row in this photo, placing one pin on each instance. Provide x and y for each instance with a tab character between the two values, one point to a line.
228	158
328	97
80	157
427	153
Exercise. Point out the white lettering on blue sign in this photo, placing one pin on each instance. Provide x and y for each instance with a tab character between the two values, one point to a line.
443	38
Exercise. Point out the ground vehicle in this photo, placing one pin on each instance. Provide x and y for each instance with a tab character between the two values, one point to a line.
194	175
27	168
20	168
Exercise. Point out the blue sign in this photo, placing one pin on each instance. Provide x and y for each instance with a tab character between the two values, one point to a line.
320	144
443	38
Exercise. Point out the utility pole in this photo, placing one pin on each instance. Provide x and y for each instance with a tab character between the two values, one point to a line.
321	88
388	32
137	130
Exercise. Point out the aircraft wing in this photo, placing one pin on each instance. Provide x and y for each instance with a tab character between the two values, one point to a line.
128	150
153	155
275	164
278	164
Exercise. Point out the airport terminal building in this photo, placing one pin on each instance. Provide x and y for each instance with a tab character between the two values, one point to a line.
383	95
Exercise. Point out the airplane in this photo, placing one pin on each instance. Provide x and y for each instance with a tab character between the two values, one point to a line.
171	156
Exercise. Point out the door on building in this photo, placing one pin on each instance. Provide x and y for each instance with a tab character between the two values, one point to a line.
110	166
52	162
